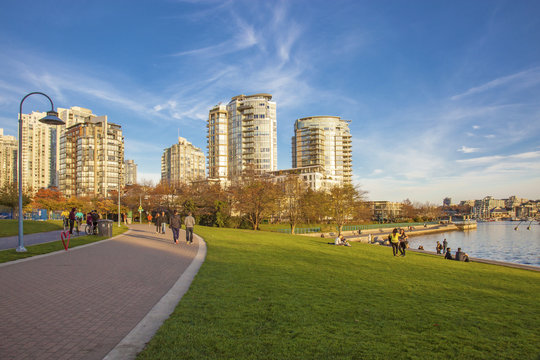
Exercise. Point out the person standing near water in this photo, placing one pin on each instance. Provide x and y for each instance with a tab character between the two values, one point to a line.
444	245
402	242
438	247
394	240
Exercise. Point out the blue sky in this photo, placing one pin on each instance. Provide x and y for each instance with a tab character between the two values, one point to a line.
443	96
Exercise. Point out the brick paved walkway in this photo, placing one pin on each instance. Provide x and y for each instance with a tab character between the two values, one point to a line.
79	304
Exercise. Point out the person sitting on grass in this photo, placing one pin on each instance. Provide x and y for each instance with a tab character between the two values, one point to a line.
461	256
344	241
340	241
448	254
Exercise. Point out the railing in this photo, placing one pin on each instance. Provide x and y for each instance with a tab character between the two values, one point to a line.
384	226
357	227
300	230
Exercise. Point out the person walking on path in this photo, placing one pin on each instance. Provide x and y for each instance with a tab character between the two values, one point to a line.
175	224
72	219
79	216
164	221
444	245
394	240
402	242
157	221
189	221
65	219
149	218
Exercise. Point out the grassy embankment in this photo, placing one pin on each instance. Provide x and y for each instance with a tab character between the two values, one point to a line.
276	227
11	227
33	250
275	296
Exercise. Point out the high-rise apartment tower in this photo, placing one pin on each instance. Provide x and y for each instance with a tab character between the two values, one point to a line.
130	169
323	141
182	163
8	159
91	158
251	136
37	152
217	144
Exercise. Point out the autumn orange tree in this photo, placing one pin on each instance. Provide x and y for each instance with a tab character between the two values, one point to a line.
49	199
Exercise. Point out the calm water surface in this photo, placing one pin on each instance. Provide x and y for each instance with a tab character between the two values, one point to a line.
492	241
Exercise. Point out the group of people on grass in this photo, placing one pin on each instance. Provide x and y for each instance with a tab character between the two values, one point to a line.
174	220
444	249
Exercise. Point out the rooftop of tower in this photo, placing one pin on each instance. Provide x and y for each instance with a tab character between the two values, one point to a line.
254	96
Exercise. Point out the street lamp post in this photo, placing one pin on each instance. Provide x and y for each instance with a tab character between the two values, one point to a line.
118	202
51	119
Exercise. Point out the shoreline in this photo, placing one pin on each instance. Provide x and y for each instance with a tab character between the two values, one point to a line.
429	229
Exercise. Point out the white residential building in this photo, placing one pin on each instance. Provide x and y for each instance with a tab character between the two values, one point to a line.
323	141
8	159
182	163
130	169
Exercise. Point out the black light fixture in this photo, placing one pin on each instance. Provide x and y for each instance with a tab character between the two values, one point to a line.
51	119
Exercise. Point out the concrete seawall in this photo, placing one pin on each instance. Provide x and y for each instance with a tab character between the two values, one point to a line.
383	233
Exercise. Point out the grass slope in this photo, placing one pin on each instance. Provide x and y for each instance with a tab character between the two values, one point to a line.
276	296
11	227
33	250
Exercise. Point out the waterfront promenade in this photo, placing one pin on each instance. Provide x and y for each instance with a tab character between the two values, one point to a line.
83	303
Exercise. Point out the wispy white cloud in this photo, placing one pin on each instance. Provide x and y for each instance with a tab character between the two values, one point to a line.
520	80
244	37
498	158
467	150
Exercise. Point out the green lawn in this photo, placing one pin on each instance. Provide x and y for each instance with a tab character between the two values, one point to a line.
33	250
275	296
11	227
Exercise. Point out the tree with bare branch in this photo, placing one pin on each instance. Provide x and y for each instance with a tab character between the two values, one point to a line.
255	197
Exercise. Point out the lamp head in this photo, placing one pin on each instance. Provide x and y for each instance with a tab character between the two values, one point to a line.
52	119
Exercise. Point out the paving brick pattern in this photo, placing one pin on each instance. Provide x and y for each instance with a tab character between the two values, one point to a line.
79	304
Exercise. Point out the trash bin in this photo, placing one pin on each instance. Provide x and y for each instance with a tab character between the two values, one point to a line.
105	227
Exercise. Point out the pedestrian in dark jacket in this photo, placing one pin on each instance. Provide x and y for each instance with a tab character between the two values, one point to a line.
175	225
72	219
157	220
